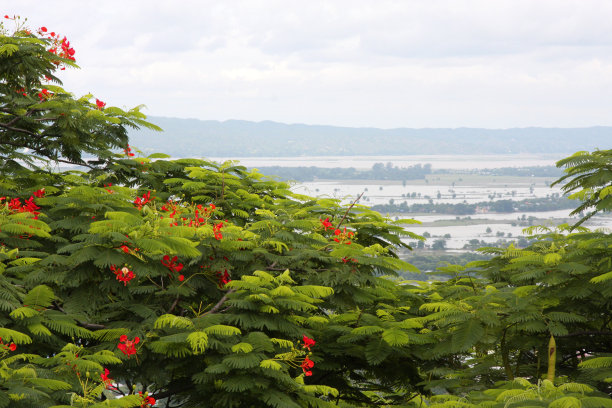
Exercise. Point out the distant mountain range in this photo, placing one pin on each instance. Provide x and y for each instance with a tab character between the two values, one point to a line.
238	138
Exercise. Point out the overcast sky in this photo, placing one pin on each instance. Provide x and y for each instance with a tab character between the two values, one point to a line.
425	63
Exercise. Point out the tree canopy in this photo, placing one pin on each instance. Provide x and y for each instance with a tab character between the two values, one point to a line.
144	281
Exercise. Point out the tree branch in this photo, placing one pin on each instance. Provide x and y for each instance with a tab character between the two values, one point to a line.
173	304
220	302
349	209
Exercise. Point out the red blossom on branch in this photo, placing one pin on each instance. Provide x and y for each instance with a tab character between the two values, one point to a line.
308	342
172	264
39	193
147	401
217	231
306	365
128	151
141	201
123	275
44	94
326	223
343	236
224	278
106	380
128	347
11	347
28	205
99	104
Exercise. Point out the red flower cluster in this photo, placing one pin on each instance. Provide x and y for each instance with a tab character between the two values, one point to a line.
147	401
39	193
306	365
326	223
173	265
128	150
141	201
123	275
61	48
224	278
202	214
308	342
106	380
170	206
343	236
108	190
28	205
128	347
217	231
44	94
7	347
100	105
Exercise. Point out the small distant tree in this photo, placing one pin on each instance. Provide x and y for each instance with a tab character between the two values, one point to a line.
439	244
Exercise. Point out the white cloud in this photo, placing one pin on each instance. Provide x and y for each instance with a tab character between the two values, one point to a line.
479	63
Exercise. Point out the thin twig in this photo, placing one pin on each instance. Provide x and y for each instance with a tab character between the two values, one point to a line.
220	302
349	209
173	304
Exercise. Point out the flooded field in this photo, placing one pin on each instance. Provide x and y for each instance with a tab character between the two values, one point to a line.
458	232
440	191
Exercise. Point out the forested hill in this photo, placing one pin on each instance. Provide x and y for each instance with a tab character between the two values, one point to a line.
235	138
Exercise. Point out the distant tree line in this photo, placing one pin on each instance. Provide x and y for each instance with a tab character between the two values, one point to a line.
379	171
550	203
536	171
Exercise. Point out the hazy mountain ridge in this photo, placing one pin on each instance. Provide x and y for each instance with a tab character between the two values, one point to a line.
194	138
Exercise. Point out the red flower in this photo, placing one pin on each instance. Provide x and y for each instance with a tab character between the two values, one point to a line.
123	275
217	231
181	278
43	29
141	201
172	264
343	236
99	103
11	346
306	365
44	94
308	342
326	224
28	206
128	347
128	151
39	193
106	380
147	401
224	278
